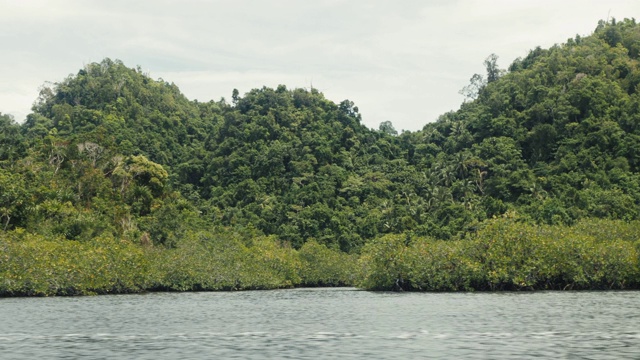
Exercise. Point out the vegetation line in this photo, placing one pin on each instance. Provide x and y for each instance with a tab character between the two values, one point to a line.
118	183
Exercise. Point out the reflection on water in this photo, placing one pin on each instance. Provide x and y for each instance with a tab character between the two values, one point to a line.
323	323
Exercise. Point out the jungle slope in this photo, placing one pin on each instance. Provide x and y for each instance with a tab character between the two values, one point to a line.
118	183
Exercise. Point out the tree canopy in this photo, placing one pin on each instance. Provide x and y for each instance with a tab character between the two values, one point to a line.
554	138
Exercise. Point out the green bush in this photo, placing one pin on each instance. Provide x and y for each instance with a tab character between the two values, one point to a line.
382	264
206	261
509	255
322	266
33	265
437	265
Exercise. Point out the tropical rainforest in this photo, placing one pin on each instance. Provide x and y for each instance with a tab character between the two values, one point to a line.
117	183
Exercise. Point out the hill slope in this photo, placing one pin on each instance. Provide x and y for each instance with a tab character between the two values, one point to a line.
109	150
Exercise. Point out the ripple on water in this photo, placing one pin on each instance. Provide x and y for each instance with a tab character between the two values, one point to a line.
323	323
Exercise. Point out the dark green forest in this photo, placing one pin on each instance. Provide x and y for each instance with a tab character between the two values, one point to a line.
117	182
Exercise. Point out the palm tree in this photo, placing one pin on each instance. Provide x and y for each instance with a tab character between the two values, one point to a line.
479	179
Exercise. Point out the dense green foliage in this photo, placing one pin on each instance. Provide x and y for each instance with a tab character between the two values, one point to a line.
35	265
509	255
283	187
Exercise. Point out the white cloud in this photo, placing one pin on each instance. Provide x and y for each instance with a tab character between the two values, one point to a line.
403	62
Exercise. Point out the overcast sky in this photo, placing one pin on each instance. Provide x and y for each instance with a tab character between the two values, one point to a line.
402	61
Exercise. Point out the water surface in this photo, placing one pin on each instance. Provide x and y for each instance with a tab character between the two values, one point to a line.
323	324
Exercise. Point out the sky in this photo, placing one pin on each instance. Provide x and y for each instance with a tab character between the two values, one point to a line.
399	61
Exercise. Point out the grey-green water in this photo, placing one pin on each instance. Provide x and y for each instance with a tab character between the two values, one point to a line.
323	323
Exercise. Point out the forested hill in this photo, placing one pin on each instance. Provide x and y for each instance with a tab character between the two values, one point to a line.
557	135
553	139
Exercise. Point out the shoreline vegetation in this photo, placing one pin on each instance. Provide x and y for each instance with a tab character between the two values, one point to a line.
117	183
505	255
